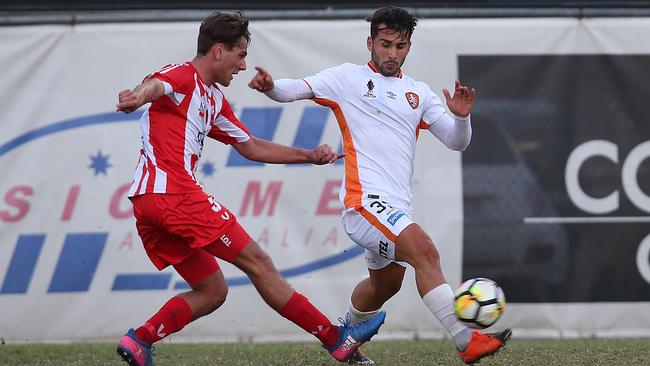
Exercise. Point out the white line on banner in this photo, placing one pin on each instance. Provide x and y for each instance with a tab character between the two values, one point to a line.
586	220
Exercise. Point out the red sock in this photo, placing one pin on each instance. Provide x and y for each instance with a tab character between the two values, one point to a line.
302	313
172	317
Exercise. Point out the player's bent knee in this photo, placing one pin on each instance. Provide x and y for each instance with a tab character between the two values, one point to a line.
217	300
427	255
213	286
208	297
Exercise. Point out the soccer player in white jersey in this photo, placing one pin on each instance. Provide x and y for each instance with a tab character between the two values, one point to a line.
182	226
380	111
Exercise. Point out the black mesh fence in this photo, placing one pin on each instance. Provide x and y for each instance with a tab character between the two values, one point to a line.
521	226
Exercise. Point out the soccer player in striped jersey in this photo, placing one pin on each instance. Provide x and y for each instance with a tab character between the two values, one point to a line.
181	225
380	112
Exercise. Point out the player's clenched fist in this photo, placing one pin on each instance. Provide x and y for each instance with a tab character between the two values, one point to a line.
127	101
324	154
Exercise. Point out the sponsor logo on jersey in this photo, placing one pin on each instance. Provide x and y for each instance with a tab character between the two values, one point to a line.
413	99
370	93
202	108
392	219
391	95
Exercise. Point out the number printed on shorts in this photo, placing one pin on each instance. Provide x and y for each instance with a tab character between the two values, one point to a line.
381	206
216	207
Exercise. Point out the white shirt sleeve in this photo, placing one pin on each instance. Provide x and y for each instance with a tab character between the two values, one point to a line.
289	90
329	83
168	87
455	133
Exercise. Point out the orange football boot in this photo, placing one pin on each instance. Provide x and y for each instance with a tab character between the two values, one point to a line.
484	344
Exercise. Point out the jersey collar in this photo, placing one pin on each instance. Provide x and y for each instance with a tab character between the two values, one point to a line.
374	68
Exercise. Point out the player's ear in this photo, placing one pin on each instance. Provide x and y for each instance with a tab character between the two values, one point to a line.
217	51
369	43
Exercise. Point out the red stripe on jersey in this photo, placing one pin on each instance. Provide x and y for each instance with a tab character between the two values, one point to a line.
144	169
174	129
167	136
151	180
194	159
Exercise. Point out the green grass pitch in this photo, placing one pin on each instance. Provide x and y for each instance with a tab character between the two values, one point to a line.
518	352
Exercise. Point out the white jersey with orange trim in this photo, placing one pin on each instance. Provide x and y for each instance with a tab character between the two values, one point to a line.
379	118
174	127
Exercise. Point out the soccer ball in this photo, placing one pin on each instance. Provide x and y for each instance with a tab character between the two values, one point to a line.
479	302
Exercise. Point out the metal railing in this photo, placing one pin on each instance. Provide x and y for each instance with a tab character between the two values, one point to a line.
70	17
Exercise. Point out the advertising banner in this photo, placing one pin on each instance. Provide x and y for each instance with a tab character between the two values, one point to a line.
550	199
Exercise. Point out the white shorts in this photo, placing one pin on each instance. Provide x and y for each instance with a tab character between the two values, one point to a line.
375	227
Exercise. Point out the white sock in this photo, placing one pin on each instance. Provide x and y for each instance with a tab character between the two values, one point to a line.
357	316
440	302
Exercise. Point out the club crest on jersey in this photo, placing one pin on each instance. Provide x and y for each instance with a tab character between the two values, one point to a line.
202	108
413	99
370	93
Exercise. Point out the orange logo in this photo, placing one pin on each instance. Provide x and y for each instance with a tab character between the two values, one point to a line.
413	99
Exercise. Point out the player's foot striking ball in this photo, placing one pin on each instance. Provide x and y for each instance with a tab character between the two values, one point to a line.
482	345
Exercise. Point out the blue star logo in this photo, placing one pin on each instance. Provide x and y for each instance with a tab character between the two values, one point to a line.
208	169
99	163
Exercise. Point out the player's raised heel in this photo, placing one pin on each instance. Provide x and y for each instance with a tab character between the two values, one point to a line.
351	336
134	351
484	344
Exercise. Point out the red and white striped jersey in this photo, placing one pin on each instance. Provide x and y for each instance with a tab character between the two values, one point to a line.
174	127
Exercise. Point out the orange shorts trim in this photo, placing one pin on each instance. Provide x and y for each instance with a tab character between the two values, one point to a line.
377	224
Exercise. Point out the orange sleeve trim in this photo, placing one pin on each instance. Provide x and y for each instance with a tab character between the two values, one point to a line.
422	126
375	222
353	189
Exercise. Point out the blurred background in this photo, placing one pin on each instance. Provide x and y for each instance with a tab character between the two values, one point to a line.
551	199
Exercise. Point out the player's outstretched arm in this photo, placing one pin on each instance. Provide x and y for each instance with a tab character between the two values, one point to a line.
130	100
269	152
282	90
455	132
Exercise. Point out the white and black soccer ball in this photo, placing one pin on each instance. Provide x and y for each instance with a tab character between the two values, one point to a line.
479	302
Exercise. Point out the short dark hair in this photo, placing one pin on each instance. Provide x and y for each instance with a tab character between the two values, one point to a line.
394	18
225	28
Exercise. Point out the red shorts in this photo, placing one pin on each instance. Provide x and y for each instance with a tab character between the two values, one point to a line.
175	227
